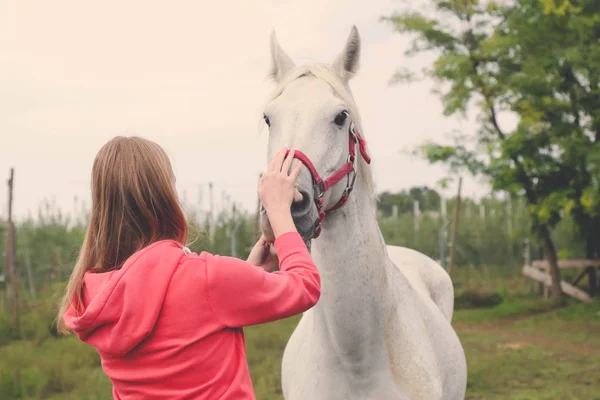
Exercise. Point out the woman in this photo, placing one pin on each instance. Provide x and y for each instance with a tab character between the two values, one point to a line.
166	322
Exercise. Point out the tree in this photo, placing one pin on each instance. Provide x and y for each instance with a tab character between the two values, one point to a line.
539	61
569	103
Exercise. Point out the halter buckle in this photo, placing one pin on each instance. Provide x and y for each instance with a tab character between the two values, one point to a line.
350	182
319	190
353	133
318	225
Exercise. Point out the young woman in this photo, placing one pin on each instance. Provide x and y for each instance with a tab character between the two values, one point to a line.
167	323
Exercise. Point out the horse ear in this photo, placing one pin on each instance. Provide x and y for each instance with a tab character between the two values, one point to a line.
346	64
281	63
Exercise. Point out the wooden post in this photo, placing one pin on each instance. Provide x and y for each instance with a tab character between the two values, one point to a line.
454	228
11	255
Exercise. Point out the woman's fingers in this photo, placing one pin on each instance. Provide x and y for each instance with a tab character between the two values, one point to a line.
270	166
277	160
296	172
263	241
287	163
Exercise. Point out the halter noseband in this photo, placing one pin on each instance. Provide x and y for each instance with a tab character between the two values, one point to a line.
320	186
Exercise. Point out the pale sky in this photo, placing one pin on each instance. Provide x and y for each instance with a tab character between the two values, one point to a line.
191	75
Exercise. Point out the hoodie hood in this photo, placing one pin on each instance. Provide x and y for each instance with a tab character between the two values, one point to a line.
120	308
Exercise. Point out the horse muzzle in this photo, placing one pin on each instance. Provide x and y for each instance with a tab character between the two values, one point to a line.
304	214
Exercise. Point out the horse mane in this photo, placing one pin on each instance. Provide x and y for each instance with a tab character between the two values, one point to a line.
325	73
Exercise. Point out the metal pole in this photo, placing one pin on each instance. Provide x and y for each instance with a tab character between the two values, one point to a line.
233	240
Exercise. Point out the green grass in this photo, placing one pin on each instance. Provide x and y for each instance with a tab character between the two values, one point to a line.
518	349
512	307
526	371
264	347
524	349
53	369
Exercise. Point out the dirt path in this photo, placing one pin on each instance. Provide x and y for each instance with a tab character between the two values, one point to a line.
514	338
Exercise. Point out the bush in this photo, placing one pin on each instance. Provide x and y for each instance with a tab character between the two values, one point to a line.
56	367
6	330
473	298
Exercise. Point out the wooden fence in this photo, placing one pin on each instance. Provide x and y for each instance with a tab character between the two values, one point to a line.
539	271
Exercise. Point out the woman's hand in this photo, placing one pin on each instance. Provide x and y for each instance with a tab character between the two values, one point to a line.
263	255
277	186
276	191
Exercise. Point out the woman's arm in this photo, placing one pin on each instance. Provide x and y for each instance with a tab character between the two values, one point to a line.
241	294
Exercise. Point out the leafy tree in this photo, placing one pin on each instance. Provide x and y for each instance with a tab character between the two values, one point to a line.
540	61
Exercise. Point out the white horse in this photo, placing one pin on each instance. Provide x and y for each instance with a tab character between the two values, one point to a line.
382	327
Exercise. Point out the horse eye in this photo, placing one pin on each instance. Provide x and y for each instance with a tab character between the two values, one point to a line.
267	121
340	119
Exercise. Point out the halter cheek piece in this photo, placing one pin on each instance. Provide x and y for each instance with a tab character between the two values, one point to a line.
320	186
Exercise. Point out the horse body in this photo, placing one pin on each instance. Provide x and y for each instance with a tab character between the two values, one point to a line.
382	326
426	276
376	332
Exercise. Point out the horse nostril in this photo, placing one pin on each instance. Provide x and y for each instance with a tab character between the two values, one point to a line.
302	207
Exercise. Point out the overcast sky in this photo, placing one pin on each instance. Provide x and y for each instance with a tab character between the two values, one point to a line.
191	76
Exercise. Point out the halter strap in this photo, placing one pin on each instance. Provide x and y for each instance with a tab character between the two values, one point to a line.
320	185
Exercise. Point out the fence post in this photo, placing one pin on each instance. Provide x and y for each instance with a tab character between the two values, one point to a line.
233	238
416	213
442	242
527	262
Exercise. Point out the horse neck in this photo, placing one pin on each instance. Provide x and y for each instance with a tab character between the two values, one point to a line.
351	257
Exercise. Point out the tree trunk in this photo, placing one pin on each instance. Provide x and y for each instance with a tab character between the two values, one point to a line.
591	254
550	250
593	281
454	229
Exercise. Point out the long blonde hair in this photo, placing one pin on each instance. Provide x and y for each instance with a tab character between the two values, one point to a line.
134	204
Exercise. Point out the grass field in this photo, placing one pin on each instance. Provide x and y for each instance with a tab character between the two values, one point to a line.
518	349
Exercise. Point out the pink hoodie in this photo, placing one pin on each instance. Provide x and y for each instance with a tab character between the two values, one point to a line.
169	325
